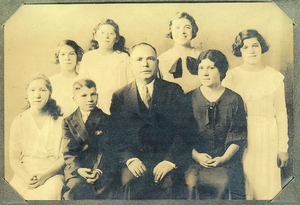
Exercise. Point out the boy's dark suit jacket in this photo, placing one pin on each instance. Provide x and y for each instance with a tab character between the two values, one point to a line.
83	143
151	135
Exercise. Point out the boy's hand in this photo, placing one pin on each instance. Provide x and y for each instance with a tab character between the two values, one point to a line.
85	172
94	176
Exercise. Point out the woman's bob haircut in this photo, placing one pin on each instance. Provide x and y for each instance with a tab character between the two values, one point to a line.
246	34
180	15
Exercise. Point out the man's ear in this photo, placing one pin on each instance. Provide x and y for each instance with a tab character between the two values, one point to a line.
157	64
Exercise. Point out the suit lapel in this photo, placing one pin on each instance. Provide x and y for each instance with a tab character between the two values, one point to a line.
93	120
157	89
132	98
79	126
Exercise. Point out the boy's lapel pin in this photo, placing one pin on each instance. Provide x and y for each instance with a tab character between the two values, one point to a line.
98	132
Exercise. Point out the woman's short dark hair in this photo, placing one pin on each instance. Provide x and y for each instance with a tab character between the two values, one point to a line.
78	50
51	108
119	44
180	15
218	58
246	34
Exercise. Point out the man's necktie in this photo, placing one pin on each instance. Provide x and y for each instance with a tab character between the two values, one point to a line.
146	96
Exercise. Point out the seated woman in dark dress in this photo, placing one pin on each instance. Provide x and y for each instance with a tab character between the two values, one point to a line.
221	134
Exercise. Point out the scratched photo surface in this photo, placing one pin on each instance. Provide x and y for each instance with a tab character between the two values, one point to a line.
32	33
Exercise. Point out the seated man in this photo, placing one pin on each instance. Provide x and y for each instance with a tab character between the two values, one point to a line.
89	167
147	115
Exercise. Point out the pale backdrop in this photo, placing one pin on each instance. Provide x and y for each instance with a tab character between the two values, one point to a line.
33	32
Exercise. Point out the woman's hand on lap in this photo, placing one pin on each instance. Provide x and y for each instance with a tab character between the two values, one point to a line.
202	159
216	162
38	180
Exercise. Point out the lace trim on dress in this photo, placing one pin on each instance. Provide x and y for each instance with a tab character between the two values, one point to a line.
253	86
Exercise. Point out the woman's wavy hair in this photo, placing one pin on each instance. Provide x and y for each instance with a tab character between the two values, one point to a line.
78	50
51	108
119	44
218	58
246	34
180	15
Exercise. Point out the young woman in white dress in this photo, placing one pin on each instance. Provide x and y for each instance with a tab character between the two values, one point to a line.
178	64
107	62
262	89
68	54
35	145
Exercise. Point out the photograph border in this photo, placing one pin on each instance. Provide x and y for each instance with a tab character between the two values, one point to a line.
289	194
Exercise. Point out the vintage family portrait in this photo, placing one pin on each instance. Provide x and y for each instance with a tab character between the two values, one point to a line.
148	101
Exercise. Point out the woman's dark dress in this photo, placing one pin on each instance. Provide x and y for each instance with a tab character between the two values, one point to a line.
219	124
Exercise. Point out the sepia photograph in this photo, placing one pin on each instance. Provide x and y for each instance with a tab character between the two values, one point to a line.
131	102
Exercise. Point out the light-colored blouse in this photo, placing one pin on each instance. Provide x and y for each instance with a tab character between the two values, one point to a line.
62	92
109	72
171	60
40	149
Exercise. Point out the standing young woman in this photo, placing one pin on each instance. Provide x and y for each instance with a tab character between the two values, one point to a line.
107	64
35	145
221	133
68	54
178	64
262	90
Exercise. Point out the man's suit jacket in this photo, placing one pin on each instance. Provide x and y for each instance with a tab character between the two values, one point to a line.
151	135
83	144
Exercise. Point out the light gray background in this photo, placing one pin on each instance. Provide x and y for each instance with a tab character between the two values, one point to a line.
32	33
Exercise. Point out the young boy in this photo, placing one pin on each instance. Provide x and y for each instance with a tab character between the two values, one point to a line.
89	167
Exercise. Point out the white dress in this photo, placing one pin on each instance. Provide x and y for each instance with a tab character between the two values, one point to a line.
188	81
110	73
39	148
264	98
62	92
